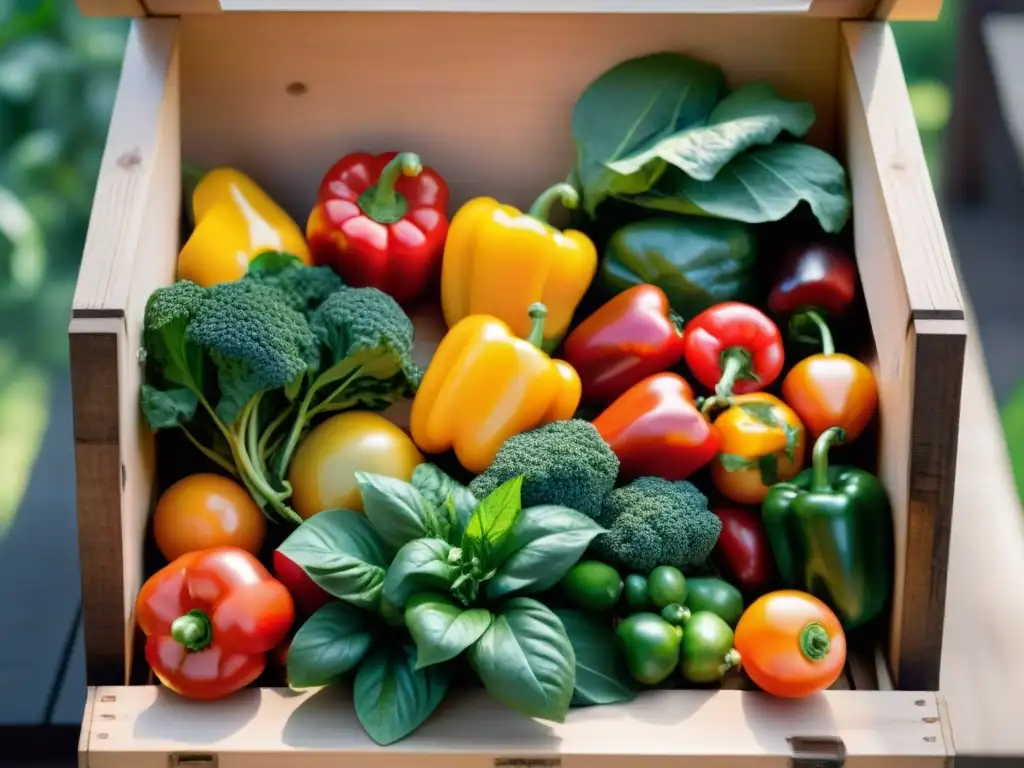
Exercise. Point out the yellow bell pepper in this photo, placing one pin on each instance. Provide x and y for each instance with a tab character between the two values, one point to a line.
485	384
235	221
498	261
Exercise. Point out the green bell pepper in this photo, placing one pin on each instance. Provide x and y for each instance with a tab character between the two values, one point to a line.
696	261
830	531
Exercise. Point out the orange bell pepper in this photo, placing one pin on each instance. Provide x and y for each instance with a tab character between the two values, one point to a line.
484	385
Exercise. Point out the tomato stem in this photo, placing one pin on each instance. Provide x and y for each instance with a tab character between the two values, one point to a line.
819	457
193	630
828	345
735	363
814	641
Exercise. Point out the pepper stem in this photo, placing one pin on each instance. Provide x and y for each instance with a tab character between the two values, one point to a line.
819	457
814	642
828	345
193	630
732	660
538	313
735	364
541	208
381	202
677	321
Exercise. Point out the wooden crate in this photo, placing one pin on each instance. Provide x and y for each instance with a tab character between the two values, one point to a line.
283	94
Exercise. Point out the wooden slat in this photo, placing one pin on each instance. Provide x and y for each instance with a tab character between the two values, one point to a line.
130	250
914	303
138	727
908	10
129	8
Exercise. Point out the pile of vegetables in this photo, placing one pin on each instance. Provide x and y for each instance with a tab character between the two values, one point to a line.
618	471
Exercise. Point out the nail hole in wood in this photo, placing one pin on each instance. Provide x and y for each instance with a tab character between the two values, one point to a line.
130	159
296	89
919	703
929	719
108	699
930	738
101	735
106	717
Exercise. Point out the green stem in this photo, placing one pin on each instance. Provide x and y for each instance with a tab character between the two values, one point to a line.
731	661
325	404
381	202
712	403
819	457
538	313
814	641
261	447
259	482
828	345
677	321
217	459
736	364
193	630
541	208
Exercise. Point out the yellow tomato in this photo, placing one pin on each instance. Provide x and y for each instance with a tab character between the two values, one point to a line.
323	470
204	511
762	444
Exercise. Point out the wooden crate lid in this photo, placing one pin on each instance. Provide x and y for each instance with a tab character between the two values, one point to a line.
893	10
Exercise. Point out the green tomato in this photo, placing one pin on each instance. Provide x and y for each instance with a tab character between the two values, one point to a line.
719	597
651	645
636	595
593	586
666	585
706	653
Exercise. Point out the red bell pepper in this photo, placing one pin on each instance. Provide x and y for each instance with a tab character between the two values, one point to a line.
630	337
733	348
655	429
814	276
210	619
742	555
381	222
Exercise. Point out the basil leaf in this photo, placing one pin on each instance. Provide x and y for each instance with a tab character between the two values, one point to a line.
398	511
545	542
341	553
441	629
601	673
525	660
753	115
438	487
392	698
762	184
631	107
493	520
331	642
419	566
169	408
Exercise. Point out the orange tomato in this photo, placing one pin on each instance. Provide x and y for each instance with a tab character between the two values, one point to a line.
791	643
760	436
204	511
322	472
832	390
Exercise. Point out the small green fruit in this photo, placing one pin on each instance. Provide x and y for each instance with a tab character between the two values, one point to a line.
651	645
636	595
593	586
666	585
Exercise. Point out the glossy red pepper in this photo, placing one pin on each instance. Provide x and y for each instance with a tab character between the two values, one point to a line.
814	276
210	619
655	430
632	336
733	348
742	555
381	221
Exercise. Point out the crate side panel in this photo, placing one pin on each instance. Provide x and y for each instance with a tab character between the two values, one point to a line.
487	102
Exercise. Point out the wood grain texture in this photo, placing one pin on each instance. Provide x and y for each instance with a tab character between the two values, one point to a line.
130	250
908	10
914	303
129	8
139	727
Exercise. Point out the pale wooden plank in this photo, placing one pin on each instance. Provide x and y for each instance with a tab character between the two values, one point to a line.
908	10
138	727
130	8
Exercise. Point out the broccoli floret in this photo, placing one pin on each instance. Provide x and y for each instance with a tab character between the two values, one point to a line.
254	341
304	287
366	345
654	522
566	463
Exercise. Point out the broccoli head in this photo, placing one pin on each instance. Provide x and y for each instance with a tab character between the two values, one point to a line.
305	288
654	522
565	463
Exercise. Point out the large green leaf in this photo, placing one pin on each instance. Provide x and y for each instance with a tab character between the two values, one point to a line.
340	551
601	673
392	698
331	642
492	522
763	184
419	566
440	489
441	629
545	542
755	114
397	511
631	107
525	660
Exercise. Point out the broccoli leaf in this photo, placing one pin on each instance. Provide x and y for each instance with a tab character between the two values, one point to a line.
165	409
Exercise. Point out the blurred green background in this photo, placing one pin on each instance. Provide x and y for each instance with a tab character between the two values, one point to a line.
58	76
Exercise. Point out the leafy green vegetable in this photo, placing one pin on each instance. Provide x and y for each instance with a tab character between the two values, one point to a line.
331	642
764	184
397	510
525	660
392	698
441	629
601	673
631	107
420	566
492	521
437	487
